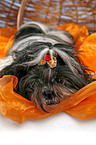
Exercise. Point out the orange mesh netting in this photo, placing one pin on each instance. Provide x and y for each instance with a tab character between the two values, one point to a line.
82	104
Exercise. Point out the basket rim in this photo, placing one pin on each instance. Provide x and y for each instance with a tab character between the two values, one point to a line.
21	13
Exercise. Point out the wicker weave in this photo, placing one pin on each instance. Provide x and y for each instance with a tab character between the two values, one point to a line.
52	12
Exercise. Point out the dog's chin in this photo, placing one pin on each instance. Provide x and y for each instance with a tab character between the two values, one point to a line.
47	105
48	101
43	104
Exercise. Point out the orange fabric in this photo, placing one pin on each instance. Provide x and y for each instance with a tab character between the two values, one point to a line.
85	44
88	52
6	40
82	104
80	33
19	109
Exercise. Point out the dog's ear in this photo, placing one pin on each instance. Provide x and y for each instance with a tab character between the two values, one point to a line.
28	29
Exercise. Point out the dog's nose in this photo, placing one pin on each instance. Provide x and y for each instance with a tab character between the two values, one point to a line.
48	94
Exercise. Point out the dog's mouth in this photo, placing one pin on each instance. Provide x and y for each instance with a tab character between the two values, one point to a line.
48	99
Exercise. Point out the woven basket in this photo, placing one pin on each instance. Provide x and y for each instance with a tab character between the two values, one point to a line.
52	12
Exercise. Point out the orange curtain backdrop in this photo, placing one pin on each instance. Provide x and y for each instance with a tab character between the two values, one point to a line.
82	104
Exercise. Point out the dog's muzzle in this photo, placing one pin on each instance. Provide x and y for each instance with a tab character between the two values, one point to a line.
49	96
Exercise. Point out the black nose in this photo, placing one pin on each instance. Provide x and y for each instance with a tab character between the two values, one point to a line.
48	94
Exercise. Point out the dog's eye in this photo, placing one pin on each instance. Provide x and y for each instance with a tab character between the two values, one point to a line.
59	81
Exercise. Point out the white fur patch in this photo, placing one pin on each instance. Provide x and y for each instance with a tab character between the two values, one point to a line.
5	62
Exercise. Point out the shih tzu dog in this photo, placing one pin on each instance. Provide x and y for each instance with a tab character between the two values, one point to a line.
46	64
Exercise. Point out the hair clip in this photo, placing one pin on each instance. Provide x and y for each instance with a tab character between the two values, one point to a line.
52	62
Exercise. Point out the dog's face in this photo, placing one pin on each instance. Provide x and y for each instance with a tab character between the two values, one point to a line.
45	63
